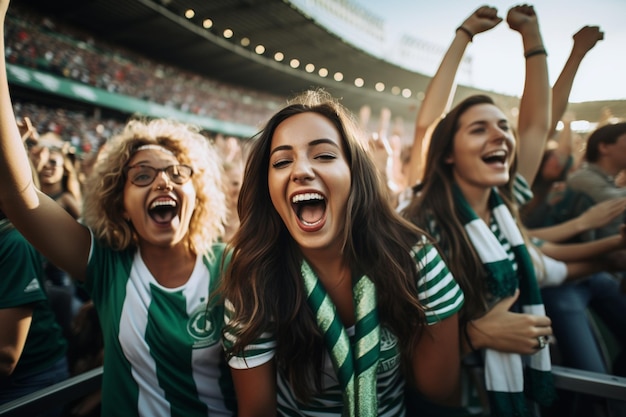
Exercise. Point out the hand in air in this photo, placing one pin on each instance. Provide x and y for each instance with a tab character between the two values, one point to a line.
586	38
483	19
522	17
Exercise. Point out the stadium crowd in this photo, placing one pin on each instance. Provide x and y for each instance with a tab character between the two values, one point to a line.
552	202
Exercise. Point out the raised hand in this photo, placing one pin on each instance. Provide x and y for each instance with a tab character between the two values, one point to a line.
586	38
521	17
27	130
483	19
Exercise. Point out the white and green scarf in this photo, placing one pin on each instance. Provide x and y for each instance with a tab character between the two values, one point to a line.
509	378
355	363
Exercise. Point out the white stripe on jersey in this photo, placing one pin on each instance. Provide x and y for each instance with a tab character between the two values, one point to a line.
133	322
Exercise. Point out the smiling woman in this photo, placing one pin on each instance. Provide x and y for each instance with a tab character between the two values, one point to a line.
146	252
363	295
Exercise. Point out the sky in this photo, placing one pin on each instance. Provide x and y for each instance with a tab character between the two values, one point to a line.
498	64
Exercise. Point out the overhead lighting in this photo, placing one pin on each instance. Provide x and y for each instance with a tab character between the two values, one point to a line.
323	72
260	49
228	33
380	87
245	41
279	56
207	23
294	63
406	93
359	82
189	14
338	76
309	68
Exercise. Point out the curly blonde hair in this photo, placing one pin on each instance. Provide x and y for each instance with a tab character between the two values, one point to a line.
104	195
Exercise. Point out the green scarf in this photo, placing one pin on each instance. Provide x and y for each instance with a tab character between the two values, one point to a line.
355	363
508	377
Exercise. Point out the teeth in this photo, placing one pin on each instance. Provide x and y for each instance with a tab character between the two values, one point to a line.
159	203
306	197
499	152
311	224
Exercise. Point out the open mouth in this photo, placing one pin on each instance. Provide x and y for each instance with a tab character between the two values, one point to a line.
496	157
310	208
163	210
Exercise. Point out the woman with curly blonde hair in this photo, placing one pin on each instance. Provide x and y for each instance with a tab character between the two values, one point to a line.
147	254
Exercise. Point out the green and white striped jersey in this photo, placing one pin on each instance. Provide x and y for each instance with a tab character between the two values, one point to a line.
163	355
440	295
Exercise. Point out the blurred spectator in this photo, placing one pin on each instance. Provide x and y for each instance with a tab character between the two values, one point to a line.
32	346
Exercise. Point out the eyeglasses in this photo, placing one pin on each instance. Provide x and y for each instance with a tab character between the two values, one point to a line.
144	175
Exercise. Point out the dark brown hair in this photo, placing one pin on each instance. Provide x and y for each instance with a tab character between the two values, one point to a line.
605	134
263	279
435	204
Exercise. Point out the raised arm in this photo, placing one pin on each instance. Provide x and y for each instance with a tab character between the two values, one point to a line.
565	141
584	40
438	94
41	220
535	105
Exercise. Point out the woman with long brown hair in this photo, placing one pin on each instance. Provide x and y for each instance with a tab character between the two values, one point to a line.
333	299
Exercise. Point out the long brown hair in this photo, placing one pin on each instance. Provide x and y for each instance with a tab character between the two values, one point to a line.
263	280
434	207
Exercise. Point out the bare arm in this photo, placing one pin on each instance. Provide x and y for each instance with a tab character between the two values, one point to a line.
437	361
596	216
256	390
565	139
573	252
15	326
535	105
440	88
584	40
577	270
41	220
71	205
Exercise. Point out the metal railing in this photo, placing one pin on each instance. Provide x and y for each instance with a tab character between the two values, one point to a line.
592	383
55	395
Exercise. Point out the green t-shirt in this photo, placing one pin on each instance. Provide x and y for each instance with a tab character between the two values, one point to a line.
23	284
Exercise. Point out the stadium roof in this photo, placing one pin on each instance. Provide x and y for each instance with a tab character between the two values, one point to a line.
159	30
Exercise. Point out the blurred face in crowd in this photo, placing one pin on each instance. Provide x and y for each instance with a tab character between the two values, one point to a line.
53	168
615	153
552	167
